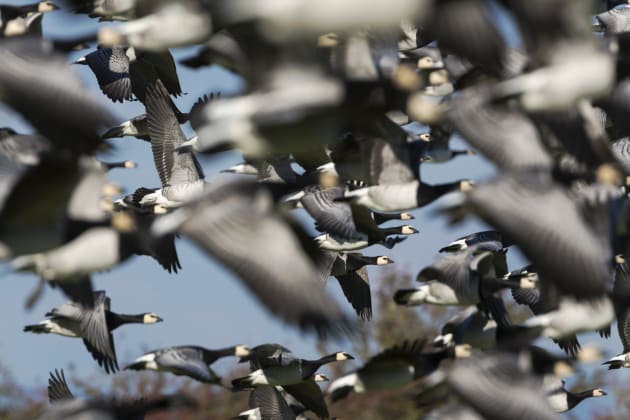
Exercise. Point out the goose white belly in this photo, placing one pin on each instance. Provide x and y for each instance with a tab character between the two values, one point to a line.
557	400
391	197
277	375
334	243
63	327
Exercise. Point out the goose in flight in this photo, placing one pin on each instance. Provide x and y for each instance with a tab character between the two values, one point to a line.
191	361
94	326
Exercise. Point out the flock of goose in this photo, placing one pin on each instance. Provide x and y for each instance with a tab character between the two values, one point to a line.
344	102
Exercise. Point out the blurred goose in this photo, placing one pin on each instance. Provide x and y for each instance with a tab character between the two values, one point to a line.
392	368
621	302
515	204
94	326
192	361
291	372
561	400
100	248
159	25
23	19
499	386
234	216
394	180
58	389
350	270
55	103
437	148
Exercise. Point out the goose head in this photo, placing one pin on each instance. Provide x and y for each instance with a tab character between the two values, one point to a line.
241	351
598	392
383	260
318	377
342	355
151	318
46	6
408	230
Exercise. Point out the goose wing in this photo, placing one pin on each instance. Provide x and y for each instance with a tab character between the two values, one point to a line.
166	134
111	68
621	299
496	388
96	335
238	225
330	216
270	403
505	135
559	243
58	387
46	92
186	361
356	288
408	351
310	395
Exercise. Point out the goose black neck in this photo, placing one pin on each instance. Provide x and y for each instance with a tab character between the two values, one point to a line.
429	193
574	399
309	367
429	362
115	320
396	230
384	217
210	356
356	261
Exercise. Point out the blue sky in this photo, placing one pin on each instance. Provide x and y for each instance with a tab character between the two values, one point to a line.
203	304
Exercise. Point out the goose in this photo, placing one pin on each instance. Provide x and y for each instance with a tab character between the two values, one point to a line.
485	126
101	247
238	215
437	148
266	402
180	173
394	367
122	71
395	183
58	389
468	277
344	220
291	372
615	21
243	168
64	405
464	242
159	26
306	396
329	242
24	19
470	326
561	400
499	385
136	127
94	326
571	257
621	300
55	103
191	361
350	270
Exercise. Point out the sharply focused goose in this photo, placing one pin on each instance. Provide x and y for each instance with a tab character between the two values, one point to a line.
136	127
192	361
94	326
468	277
180	173
561	400
392	368
291	372
350	270
234	216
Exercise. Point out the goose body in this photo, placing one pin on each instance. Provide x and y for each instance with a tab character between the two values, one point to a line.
292	372
192	361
